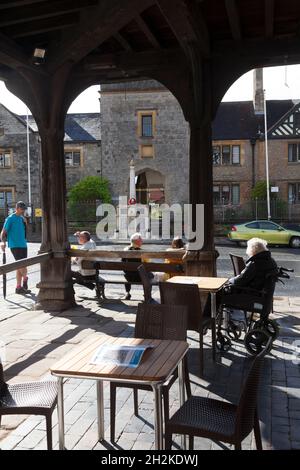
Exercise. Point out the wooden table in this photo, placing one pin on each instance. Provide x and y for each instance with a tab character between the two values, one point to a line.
155	368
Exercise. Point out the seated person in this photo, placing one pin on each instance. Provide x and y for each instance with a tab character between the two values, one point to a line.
83	275
178	246
258	266
136	242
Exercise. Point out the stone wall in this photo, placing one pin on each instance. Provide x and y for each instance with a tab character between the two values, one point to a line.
13	136
120	105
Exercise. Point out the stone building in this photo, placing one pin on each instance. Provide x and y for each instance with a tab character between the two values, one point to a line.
13	160
82	155
82	144
143	120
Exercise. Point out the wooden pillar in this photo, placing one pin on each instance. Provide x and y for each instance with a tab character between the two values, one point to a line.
56	289
47	96
201	262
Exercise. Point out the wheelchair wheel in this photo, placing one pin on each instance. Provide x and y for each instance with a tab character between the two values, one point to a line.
270	326
256	340
234	330
223	343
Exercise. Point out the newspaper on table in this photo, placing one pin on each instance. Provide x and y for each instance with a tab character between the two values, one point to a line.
119	355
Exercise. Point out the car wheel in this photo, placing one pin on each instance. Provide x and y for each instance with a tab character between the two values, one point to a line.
295	242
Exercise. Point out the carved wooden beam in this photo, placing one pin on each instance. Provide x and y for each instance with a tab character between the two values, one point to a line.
269	18
261	52
41	26
186	22
97	25
124	43
131	61
31	12
17	3
147	31
234	19
12	55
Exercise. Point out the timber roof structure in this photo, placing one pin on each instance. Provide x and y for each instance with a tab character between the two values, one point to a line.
111	40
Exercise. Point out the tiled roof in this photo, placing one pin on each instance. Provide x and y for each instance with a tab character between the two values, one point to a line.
237	120
79	127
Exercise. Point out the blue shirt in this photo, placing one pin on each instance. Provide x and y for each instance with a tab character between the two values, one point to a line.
15	228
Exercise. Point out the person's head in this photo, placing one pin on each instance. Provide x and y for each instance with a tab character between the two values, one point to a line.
255	246
83	237
136	240
20	208
177	242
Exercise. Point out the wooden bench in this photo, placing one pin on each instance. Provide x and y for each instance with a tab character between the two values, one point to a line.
114	261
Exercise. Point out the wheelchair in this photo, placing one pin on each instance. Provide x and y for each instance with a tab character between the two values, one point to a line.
252	303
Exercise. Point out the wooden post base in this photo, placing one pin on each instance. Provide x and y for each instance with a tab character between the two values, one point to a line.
56	289
201	263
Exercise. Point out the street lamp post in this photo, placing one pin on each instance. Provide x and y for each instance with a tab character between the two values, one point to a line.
267	157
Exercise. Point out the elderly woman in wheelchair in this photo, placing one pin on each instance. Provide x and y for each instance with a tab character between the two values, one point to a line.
251	291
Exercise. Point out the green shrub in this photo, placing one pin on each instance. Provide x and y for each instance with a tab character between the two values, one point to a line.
90	188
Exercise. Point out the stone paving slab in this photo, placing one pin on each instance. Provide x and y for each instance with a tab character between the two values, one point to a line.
33	340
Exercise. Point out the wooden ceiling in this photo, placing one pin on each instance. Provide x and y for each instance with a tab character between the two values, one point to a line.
110	40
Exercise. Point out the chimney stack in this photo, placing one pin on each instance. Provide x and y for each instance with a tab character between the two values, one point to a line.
258	91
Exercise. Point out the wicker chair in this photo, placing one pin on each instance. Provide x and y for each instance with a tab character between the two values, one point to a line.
238	263
219	420
29	398
189	295
147	285
154	321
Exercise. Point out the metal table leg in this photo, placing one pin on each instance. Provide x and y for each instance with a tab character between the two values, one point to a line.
158	421
60	413
100	409
213	304
181	397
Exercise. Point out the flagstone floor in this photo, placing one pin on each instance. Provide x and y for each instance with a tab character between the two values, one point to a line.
33	340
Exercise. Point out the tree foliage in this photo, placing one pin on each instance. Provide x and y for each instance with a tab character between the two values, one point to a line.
90	188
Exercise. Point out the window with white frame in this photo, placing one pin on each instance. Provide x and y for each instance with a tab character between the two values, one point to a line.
226	154
224	194
294	153
6	197
72	158
5	158
294	193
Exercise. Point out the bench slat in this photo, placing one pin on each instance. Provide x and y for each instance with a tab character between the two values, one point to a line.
132	266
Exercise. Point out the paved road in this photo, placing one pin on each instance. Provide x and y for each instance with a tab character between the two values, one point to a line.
286	257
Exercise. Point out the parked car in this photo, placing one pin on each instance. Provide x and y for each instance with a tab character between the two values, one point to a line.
270	231
291	226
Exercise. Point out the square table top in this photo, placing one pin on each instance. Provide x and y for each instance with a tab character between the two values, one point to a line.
205	284
156	365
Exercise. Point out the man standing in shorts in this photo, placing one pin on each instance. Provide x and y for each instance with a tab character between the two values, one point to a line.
14	231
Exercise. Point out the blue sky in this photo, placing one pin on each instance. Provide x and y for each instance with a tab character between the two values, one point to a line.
279	83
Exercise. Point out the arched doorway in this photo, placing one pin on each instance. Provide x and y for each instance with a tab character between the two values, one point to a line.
150	187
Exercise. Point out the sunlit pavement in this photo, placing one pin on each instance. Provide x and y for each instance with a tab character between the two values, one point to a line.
31	341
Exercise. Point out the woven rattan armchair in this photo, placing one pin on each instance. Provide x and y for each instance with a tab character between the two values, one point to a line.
219	420
154	321
29	398
189	295
238	263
